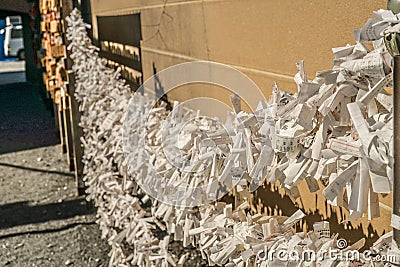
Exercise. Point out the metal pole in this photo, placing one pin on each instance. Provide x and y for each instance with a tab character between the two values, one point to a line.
396	180
394	5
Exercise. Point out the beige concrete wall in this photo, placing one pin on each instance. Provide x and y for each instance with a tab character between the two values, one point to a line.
262	38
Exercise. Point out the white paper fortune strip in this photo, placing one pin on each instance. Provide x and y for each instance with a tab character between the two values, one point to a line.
336	129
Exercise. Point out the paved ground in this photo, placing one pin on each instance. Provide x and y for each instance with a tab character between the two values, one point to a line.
13	77
12	72
25	121
26	117
12	66
42	223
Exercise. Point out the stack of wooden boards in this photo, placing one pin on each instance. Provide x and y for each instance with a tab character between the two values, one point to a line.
53	44
337	129
55	76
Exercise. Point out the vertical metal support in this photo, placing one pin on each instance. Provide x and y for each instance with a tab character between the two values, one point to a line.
74	114
396	179
394	5
393	48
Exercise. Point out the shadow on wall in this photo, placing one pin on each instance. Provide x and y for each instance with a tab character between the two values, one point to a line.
273	203
269	201
159	89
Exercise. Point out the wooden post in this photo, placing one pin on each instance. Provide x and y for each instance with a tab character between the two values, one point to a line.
74	114
61	129
68	132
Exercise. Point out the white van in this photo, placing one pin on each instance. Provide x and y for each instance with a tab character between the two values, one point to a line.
14	40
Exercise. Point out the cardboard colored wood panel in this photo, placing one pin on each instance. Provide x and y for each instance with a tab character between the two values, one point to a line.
265	39
268	201
271	200
265	35
264	81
